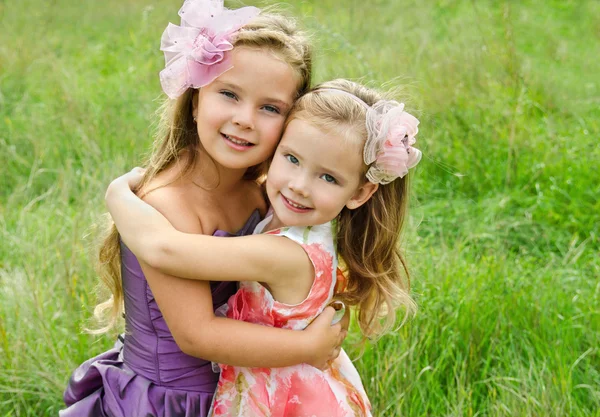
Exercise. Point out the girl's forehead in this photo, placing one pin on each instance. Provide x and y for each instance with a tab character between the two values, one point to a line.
344	136
298	129
256	71
260	56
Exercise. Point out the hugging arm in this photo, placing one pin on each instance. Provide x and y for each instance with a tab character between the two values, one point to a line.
154	240
187	308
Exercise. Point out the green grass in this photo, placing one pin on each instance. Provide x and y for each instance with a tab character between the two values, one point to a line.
503	238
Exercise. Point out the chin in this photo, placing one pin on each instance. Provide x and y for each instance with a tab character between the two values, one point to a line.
229	164
299	222
287	220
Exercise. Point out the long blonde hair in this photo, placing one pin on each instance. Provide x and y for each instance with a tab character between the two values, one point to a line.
367	238
177	133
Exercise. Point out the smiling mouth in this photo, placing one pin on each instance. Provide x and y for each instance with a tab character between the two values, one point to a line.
237	141
294	204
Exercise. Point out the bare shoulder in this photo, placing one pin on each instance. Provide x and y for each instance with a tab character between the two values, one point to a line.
170	200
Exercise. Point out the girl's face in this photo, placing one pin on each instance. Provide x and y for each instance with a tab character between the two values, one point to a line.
240	115
314	175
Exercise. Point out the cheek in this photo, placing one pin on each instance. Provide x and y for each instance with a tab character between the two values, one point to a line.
269	145
273	131
279	172
326	198
274	174
335	200
213	118
274	185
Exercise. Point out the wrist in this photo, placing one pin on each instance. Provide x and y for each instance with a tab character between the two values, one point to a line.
308	349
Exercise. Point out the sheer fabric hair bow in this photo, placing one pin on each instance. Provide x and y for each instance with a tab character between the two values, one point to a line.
389	146
391	133
198	51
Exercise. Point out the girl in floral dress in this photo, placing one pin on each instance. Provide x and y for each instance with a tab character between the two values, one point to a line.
338	190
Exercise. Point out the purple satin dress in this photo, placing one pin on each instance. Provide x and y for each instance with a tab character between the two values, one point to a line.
147	375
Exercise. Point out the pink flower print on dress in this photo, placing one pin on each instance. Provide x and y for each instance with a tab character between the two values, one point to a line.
244	305
305	393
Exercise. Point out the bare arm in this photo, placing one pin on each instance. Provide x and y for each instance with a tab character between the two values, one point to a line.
187	308
154	240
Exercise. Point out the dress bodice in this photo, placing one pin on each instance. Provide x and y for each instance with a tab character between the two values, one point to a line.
149	348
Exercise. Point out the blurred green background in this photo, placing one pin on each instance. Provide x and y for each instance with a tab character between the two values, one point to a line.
503	238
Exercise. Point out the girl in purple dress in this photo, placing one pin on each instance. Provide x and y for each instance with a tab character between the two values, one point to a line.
232	77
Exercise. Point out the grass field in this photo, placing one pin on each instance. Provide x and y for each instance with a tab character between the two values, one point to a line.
504	234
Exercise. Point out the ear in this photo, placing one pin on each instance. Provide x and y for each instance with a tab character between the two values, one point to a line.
362	195
195	104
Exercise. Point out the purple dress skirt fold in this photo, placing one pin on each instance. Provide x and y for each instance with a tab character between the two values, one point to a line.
146	374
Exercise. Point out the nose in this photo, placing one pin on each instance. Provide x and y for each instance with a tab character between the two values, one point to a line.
299	184
244	117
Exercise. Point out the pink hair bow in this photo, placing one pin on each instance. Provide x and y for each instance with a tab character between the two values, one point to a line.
389	147
197	51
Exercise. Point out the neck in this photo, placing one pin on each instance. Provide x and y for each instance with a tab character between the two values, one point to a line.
275	223
211	176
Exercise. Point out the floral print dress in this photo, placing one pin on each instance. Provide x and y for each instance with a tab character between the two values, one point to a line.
299	390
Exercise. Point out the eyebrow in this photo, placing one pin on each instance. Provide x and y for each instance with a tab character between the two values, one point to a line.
283	104
230	85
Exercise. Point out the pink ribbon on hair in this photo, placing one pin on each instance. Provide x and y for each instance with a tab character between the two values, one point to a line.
394	134
197	52
390	135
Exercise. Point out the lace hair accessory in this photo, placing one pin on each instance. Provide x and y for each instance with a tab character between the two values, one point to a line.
391	133
197	52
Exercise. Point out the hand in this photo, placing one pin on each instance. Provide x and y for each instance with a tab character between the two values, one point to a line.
341	316
325	339
131	180
345	322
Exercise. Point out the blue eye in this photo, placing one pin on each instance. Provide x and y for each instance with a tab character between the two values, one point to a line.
328	178
272	109
292	159
228	94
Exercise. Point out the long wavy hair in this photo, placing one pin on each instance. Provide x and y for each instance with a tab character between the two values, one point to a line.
367	238
177	134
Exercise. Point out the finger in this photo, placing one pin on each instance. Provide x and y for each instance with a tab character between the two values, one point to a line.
342	337
337	329
336	353
328	313
345	321
134	177
325	318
